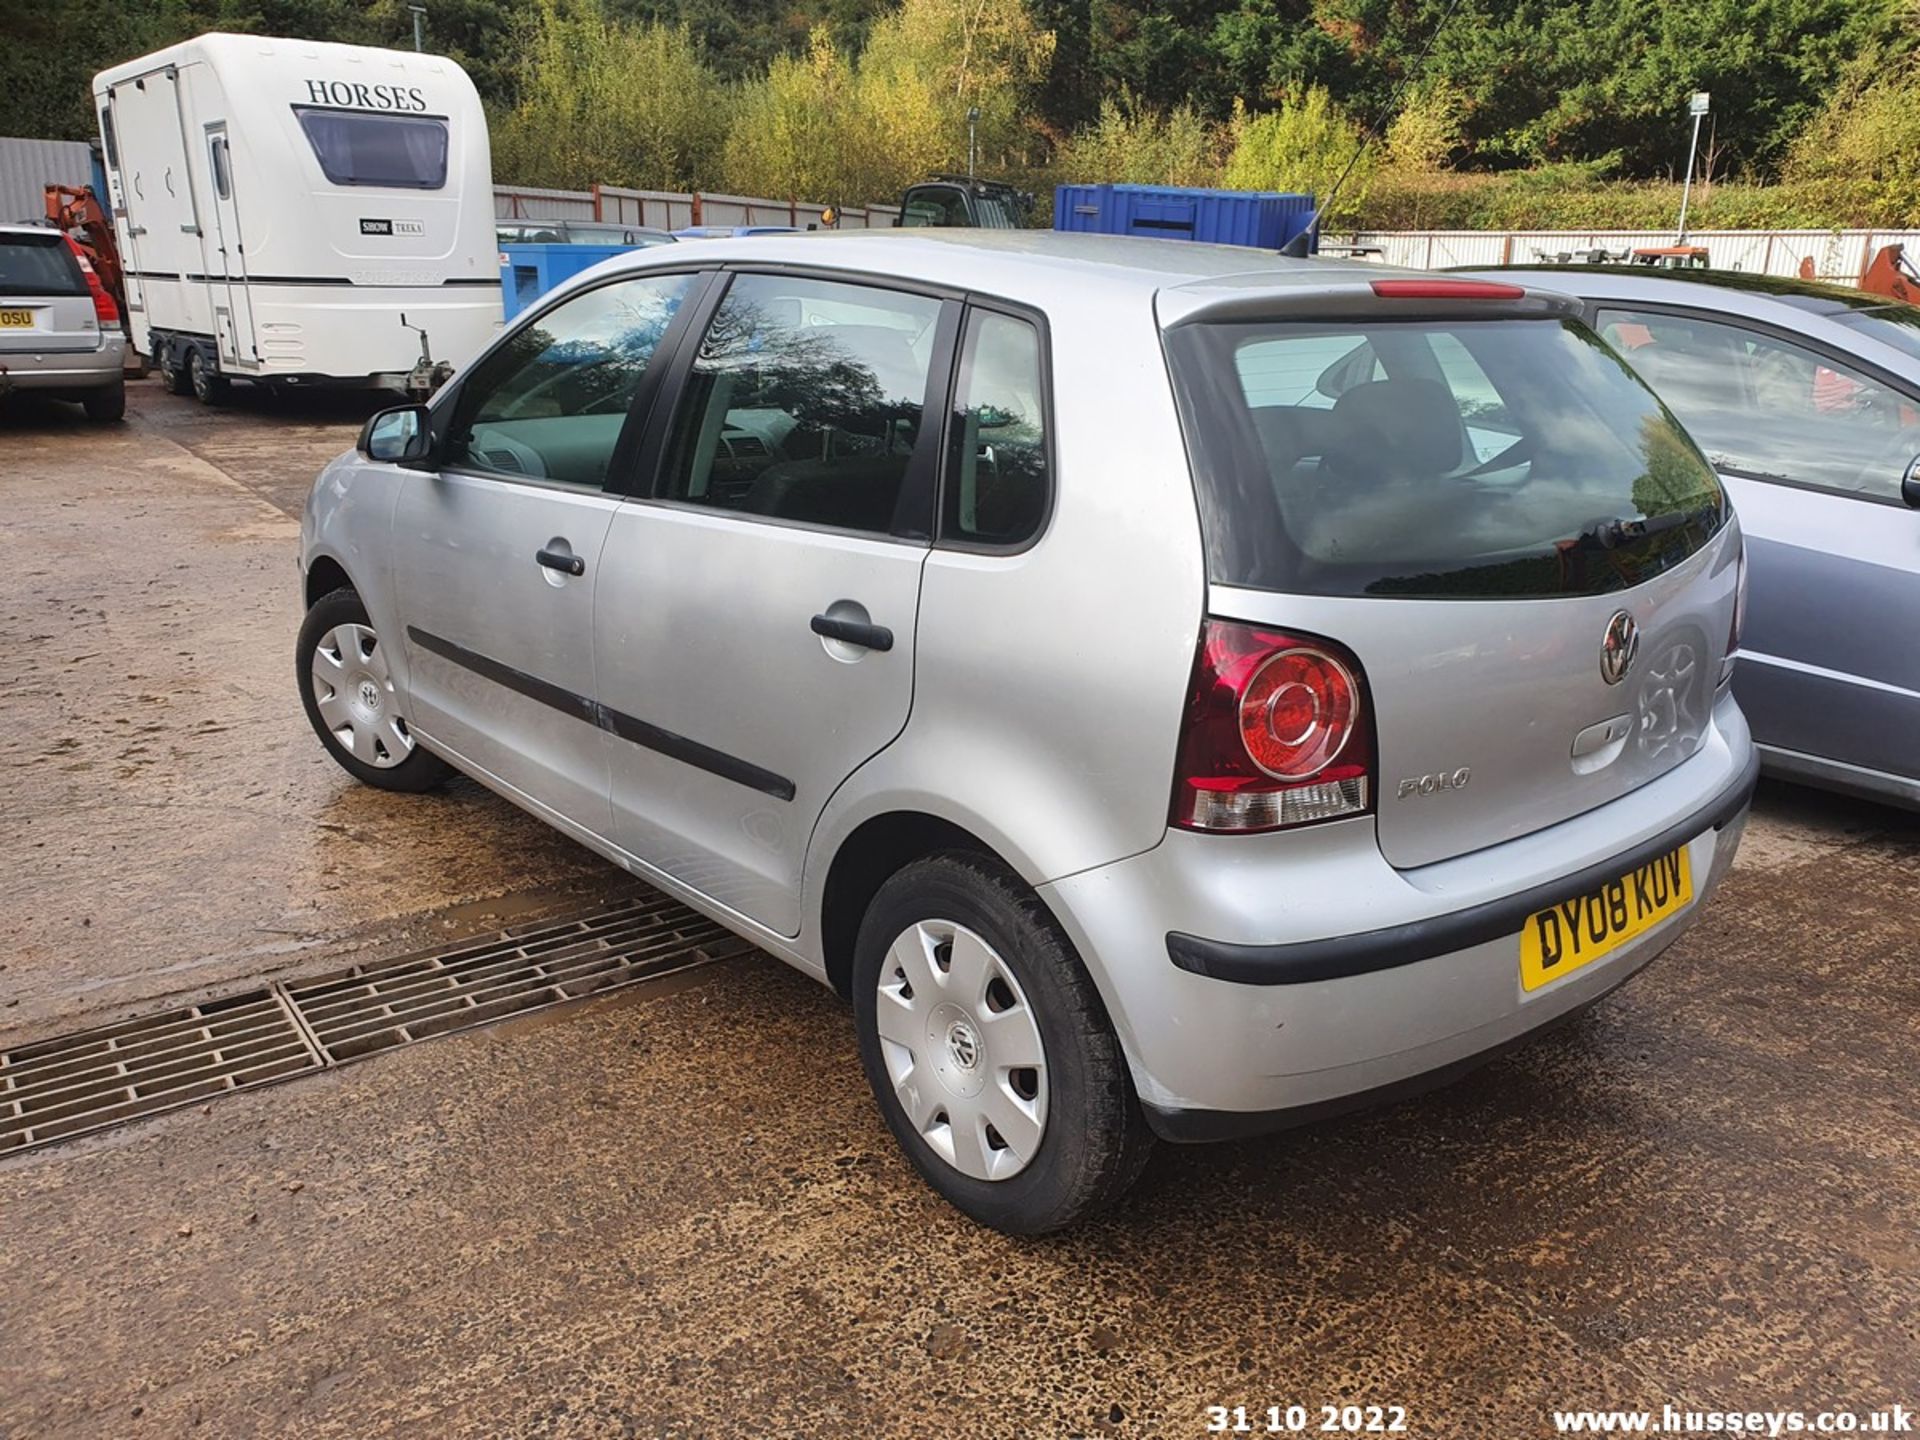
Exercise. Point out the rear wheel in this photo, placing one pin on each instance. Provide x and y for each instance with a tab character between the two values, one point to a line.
346	687
107	404
989	1051
209	387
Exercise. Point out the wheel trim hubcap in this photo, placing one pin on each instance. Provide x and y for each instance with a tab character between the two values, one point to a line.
353	690
962	1048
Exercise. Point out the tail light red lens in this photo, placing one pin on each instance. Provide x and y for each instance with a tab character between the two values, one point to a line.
1277	732
104	310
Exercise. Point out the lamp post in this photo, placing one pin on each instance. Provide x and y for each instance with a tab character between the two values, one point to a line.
1696	107
973	119
419	26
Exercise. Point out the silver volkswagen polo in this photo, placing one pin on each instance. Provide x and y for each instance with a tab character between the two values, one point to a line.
1170	689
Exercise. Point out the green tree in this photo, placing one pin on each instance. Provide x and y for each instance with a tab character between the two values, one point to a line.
1139	146
1306	145
609	103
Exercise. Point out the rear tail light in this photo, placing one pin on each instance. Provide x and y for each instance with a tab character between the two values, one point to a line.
1739	618
104	310
1277	732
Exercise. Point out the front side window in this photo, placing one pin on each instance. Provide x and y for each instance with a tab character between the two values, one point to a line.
936	207
1768	408
549	404
805	403
355	147
1481	459
996	484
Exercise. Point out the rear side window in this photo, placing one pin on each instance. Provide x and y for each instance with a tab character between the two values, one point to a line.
36	264
1465	460
408	152
996	483
805	403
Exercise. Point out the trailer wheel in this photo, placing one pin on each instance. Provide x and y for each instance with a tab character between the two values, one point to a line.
209	388
173	375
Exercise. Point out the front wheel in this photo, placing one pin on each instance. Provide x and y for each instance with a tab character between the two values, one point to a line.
173	373
209	387
989	1051
346	687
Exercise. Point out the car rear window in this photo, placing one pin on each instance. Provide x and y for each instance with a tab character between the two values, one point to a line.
354	147
1495	458
39	265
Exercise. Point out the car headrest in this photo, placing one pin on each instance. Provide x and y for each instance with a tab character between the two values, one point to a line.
1396	428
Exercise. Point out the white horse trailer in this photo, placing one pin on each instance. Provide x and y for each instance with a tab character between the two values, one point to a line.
298	213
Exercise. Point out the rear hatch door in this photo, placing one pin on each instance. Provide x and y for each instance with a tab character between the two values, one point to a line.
45	305
1533	564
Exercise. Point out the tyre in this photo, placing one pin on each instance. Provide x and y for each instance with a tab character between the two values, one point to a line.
988	1048
173	374
347	690
209	387
107	404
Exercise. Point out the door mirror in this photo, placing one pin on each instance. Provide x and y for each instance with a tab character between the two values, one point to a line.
1910	484
401	434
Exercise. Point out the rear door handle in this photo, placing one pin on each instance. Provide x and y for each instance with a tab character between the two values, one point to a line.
564	561
853	632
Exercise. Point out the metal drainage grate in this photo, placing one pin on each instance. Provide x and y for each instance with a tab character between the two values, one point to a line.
73	1084
366	1008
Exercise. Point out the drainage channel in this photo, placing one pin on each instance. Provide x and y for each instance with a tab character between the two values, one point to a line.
72	1085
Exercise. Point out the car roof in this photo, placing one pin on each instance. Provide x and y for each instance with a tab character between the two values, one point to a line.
26	228
1804	306
1034	266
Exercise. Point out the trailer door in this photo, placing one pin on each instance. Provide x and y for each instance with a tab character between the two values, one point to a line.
129	234
233	302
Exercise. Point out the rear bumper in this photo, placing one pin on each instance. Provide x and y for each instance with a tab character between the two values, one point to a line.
1351	981
64	370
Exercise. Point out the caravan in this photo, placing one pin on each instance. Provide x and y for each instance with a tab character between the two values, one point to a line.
299	213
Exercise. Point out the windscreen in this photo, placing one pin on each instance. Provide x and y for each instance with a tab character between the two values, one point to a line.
1497	458
355	147
39	265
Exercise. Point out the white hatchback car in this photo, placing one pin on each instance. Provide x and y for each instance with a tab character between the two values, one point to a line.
1170	688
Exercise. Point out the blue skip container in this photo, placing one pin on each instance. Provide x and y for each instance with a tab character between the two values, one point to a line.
529	271
1266	219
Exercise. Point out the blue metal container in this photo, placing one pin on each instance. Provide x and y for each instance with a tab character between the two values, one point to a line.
529	271
1267	219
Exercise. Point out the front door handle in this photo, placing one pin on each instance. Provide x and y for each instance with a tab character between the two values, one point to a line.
853	632
564	561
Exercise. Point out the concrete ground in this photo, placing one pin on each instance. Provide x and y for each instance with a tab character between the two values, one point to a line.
675	1212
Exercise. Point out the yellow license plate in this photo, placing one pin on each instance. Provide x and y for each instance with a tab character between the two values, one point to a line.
1559	940
16	319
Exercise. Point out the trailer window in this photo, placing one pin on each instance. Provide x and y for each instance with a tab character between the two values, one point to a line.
357	148
222	179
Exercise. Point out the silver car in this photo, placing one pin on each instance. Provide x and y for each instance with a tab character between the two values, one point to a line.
1807	399
1170	689
59	330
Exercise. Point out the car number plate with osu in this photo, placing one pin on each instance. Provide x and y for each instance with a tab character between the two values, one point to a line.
1562	938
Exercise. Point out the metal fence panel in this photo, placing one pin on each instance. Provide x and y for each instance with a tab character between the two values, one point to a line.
1837	255
27	167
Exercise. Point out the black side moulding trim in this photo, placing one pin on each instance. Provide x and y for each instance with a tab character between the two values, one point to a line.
1335	958
615	722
